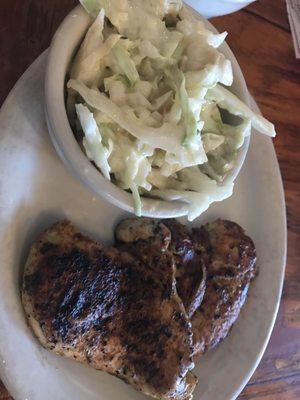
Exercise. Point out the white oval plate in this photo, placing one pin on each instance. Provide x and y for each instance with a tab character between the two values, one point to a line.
36	190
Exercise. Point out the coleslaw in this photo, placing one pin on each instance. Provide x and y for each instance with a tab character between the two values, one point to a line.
147	101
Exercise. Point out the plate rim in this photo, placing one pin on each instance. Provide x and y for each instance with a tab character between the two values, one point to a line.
247	378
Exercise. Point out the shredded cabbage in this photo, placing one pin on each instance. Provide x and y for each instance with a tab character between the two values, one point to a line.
125	64
92	140
88	65
224	98
155	137
200	191
146	89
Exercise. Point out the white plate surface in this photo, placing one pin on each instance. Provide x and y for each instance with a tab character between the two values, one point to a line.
36	190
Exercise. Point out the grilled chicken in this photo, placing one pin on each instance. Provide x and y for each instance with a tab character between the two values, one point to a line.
143	230
230	259
145	238
190	268
118	309
103	307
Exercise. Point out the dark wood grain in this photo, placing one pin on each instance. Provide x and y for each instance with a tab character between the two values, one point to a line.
26	29
4	395
260	38
271	10
261	41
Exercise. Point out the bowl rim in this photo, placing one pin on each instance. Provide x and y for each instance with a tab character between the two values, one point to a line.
63	48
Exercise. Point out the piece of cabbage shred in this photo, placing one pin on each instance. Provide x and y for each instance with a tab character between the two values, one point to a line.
147	88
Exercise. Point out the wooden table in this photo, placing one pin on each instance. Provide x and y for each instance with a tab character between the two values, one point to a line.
261	40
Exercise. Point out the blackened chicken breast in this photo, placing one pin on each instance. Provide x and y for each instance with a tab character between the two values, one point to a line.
103	307
230	259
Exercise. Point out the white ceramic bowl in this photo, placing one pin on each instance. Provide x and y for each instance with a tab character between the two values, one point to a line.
64	45
214	8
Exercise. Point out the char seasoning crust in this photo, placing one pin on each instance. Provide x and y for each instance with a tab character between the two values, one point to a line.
190	267
145	238
230	259
103	307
